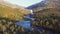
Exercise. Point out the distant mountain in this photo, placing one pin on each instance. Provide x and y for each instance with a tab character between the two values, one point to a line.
9	4
45	4
11	11
40	4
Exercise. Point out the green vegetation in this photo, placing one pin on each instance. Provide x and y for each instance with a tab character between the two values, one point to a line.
49	19
12	13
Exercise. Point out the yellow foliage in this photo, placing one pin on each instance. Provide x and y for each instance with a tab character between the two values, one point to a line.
12	13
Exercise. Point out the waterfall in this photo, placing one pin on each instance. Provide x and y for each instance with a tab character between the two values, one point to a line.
31	12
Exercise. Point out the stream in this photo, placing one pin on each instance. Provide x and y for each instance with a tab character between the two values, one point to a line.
26	23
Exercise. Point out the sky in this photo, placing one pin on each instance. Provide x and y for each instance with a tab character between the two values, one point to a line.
24	3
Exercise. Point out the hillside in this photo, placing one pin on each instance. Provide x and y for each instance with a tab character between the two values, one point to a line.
9	15
45	4
21	8
48	18
7	11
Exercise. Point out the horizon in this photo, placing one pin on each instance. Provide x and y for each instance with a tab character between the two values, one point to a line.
24	3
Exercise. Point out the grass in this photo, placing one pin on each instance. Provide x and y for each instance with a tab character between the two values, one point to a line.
12	13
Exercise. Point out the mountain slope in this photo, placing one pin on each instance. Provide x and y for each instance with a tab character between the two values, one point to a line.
47	14
49	19
45	4
9	15
7	11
